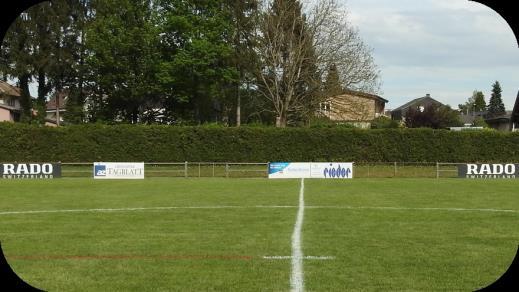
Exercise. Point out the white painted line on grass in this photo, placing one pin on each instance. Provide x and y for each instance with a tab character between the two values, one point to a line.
304	257
296	278
416	209
252	207
115	209
136	209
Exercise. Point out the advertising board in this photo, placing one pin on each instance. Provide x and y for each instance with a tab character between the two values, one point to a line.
30	170
327	170
488	171
118	170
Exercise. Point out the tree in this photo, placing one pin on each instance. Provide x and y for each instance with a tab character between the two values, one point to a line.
196	70
475	103
337	42
297	45
244	16
480	122
42	46
479	101
495	105
18	58
433	116
283	46
332	85
123	60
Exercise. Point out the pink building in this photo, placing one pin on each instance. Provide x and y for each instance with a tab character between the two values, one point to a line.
10	107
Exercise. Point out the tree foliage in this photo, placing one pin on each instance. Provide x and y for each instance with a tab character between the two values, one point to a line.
185	61
495	104
475	103
332	85
432	116
297	45
123	60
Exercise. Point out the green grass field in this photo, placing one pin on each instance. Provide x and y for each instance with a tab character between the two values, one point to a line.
211	234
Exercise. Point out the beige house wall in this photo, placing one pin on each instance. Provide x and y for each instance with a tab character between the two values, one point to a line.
348	107
5	115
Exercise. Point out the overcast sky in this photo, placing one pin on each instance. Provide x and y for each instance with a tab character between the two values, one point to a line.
447	48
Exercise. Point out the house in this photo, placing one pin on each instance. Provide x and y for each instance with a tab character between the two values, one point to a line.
10	108
500	123
514	116
419	103
56	106
355	107
468	119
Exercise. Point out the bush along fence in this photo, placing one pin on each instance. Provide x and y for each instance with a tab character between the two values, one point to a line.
26	143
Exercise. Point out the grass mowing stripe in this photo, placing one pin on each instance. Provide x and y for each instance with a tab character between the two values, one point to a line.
296	278
129	257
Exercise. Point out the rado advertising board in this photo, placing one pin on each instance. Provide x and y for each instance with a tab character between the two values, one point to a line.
488	171
30	170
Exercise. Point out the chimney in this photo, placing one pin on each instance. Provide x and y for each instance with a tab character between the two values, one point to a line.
427	95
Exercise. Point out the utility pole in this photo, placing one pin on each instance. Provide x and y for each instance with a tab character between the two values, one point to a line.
57	108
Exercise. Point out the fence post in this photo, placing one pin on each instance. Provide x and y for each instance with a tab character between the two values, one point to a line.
226	170
185	169
213	169
395	170
199	166
437	170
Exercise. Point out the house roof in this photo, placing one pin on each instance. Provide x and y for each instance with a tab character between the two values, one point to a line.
62	98
515	113
502	118
8	89
415	101
364	94
10	108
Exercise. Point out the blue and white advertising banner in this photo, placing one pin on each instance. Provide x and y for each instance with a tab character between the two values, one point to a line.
329	170
118	170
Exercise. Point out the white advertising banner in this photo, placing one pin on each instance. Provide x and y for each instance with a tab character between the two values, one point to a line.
289	170
329	170
332	170
118	170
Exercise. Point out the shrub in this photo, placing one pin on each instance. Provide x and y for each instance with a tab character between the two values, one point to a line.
159	143
383	122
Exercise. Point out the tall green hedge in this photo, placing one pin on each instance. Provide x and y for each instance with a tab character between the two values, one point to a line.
88	143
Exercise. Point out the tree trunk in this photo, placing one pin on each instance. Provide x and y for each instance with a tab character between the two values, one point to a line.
238	109
281	121
25	100
42	87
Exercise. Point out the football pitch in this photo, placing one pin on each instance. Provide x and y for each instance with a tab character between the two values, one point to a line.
217	234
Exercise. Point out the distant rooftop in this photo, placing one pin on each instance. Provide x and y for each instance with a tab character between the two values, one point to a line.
8	89
416	100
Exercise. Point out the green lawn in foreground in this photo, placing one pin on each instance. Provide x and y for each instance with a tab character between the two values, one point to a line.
221	249
425	250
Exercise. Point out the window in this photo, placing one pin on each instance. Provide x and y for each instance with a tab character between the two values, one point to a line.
325	108
10	102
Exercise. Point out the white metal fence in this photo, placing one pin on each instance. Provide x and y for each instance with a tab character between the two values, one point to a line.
235	169
180	169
